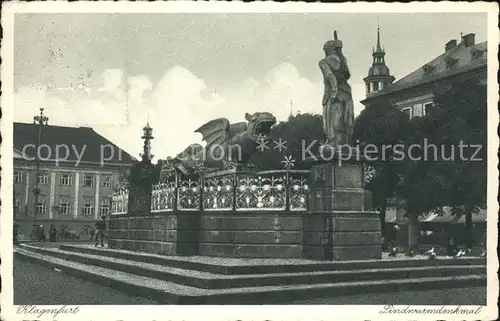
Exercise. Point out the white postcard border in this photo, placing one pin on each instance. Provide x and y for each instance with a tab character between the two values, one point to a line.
273	312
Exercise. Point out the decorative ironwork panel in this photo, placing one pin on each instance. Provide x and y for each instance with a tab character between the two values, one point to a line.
261	193
298	192
368	174
189	195
218	193
119	201
163	196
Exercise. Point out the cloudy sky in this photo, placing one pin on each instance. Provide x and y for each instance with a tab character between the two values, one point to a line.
109	71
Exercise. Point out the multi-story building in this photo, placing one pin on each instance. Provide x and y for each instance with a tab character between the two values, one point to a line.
77	171
413	94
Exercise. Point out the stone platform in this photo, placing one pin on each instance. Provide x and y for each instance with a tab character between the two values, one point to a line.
225	234
339	235
210	280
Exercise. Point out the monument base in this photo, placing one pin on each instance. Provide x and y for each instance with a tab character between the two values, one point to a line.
338	224
163	233
341	224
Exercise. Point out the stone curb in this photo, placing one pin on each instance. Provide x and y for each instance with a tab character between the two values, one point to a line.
269	269
261	295
207	280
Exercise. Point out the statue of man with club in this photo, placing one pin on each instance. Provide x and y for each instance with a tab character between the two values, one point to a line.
338	106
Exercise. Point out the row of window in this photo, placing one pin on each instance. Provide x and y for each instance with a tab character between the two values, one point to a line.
376	86
63	229
451	61
65	179
64	207
417	110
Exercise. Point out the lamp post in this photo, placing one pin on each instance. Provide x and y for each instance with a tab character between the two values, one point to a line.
147	170
41	120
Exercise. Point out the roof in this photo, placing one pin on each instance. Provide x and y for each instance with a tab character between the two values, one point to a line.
82	143
379	70
460	53
438	67
391	217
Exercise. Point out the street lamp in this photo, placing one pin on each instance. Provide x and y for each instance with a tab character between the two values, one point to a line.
147	136
41	120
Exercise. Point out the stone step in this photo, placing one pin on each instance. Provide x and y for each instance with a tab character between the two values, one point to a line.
166	292
208	280
267	266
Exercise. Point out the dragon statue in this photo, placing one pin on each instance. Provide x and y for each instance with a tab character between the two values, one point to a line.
225	142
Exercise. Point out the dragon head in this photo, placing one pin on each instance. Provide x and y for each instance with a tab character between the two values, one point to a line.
259	124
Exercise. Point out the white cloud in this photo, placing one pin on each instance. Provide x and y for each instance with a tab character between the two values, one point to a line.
178	88
177	109
177	104
29	99
138	85
284	85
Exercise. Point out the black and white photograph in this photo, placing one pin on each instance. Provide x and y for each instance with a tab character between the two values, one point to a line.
324	161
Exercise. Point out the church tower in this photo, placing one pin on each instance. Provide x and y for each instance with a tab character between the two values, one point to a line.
379	75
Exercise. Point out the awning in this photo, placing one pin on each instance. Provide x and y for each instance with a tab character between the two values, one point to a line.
391	217
454	219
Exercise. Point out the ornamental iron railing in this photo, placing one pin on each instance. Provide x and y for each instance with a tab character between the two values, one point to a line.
228	190
119	200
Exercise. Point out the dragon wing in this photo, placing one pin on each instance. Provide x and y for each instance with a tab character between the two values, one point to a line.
237	128
215	132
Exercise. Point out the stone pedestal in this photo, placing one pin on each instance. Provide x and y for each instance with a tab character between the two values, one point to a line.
166	233
246	234
341	224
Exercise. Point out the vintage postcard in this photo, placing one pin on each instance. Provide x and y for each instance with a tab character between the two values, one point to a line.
249	161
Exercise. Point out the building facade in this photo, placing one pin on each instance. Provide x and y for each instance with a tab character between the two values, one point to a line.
414	92
78	169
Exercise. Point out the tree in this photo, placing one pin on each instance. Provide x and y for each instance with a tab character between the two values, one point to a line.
298	132
461	112
382	126
439	172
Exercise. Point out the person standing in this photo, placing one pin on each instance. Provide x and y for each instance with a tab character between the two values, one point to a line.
452	248
41	237
52	233
100	231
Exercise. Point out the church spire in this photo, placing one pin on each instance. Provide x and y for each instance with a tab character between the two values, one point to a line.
378	52
379	75
379	48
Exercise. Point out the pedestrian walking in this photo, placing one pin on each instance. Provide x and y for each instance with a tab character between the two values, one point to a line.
100	231
452	249
92	233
